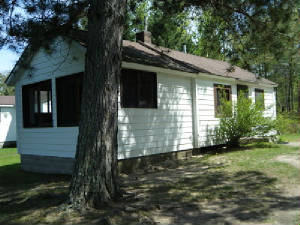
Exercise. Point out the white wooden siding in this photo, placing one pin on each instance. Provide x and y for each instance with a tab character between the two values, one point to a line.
7	124
141	131
206	108
56	141
207	122
167	128
270	102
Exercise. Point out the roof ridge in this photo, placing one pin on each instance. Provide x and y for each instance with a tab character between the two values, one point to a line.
197	69
159	56
174	50
197	56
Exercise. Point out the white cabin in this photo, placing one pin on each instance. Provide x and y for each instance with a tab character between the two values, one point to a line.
167	101
7	121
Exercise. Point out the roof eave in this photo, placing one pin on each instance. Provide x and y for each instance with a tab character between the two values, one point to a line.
11	79
10	106
256	82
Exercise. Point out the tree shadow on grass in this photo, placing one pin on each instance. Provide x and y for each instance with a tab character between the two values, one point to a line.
214	197
22	192
220	149
195	192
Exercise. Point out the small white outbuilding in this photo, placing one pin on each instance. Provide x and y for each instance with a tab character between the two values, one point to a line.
168	100
7	121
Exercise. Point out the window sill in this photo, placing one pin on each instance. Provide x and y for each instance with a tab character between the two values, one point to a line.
139	107
37	127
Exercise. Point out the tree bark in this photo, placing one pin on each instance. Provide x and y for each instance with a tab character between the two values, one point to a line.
95	177
298	96
286	92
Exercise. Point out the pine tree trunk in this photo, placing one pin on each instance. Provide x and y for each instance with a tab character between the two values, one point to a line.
290	88
95	177
292	93
298	96
286	92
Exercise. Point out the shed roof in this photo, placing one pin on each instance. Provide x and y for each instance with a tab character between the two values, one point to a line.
7	100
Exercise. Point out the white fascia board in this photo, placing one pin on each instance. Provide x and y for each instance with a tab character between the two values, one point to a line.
236	80
255	84
8	106
129	65
137	66
10	79
216	77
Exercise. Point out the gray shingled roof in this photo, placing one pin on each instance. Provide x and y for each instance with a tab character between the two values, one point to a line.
7	100
152	55
149	54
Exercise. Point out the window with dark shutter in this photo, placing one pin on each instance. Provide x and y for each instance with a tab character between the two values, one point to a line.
138	89
242	90
68	99
37	104
259	97
221	92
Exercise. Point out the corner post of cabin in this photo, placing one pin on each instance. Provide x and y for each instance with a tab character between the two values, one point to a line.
53	102
195	113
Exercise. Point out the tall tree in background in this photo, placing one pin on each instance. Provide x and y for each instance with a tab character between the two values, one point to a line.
213	39
286	64
4	89
245	26
171	31
260	36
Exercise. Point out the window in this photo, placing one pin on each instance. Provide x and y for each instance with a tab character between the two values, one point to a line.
259	97
37	104
221	92
138	89
68	99
242	89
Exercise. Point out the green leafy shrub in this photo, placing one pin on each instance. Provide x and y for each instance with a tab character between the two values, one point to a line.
242	119
288	123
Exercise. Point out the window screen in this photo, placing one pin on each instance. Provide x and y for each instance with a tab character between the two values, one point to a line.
138	89
68	99
221	92
37	104
259	97
242	89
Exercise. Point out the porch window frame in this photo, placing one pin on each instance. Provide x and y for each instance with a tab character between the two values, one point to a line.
27	100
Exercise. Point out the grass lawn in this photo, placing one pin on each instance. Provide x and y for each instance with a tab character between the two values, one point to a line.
257	184
9	156
290	137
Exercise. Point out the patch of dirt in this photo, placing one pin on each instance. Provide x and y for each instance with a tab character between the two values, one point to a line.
293	144
293	160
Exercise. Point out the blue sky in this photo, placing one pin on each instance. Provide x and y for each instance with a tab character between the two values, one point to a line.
8	58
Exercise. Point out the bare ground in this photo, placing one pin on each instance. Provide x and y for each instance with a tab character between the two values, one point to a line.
292	159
